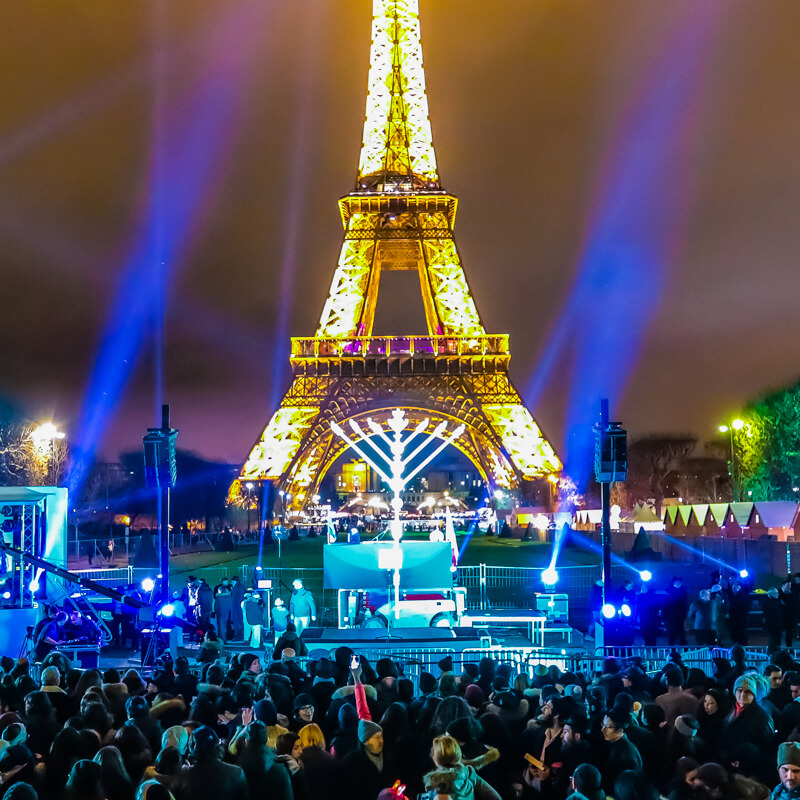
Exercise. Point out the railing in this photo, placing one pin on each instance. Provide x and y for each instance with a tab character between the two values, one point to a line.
506	588
399	346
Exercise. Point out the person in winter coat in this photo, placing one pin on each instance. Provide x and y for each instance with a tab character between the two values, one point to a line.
788	772
674	613
205	603
237	611
291	639
771	608
700	619
719	613
648	609
370	768
738	610
620	753
302	607
452	777
265	776
747	722
788	603
208	776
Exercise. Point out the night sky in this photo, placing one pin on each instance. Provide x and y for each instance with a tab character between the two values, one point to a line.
230	128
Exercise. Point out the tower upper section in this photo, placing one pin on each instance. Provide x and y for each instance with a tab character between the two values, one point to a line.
397	151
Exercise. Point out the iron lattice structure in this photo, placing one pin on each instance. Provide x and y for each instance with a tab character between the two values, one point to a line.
399	218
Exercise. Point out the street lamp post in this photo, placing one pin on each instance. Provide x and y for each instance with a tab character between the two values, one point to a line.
249	487
44	439
736	425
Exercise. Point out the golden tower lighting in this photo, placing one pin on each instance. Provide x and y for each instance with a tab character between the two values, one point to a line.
398	217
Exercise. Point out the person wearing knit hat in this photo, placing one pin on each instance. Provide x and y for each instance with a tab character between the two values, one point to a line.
367	729
474	696
445	664
747	722
368	766
746	683
427	683
788	772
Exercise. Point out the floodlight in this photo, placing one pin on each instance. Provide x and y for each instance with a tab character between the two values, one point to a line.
646	575
625	609
743	573
148	584
167	610
550	577
609	612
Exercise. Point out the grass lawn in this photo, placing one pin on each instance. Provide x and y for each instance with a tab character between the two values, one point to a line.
307	553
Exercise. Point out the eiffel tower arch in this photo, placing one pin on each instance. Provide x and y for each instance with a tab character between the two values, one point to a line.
398	217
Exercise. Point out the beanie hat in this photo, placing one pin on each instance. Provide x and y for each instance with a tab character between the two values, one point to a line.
204	740
445	664
747	683
266	712
367	729
686	725
348	717
611	666
303	699
789	753
427	683
574	690
474	695
386	668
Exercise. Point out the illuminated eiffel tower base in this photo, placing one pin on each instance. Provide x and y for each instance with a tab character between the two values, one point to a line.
398	218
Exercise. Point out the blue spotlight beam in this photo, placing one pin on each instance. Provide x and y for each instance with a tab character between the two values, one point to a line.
186	163
595	547
301	166
632	236
705	556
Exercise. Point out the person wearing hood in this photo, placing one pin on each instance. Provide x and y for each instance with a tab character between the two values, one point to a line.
290	639
208	776
452	777
747	721
302	607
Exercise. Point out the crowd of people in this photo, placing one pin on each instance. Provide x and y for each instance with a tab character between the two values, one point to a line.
335	726
720	614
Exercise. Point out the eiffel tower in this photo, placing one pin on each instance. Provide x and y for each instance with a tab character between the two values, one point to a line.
398	217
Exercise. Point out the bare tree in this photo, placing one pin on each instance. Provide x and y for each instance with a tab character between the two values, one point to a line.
652	461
